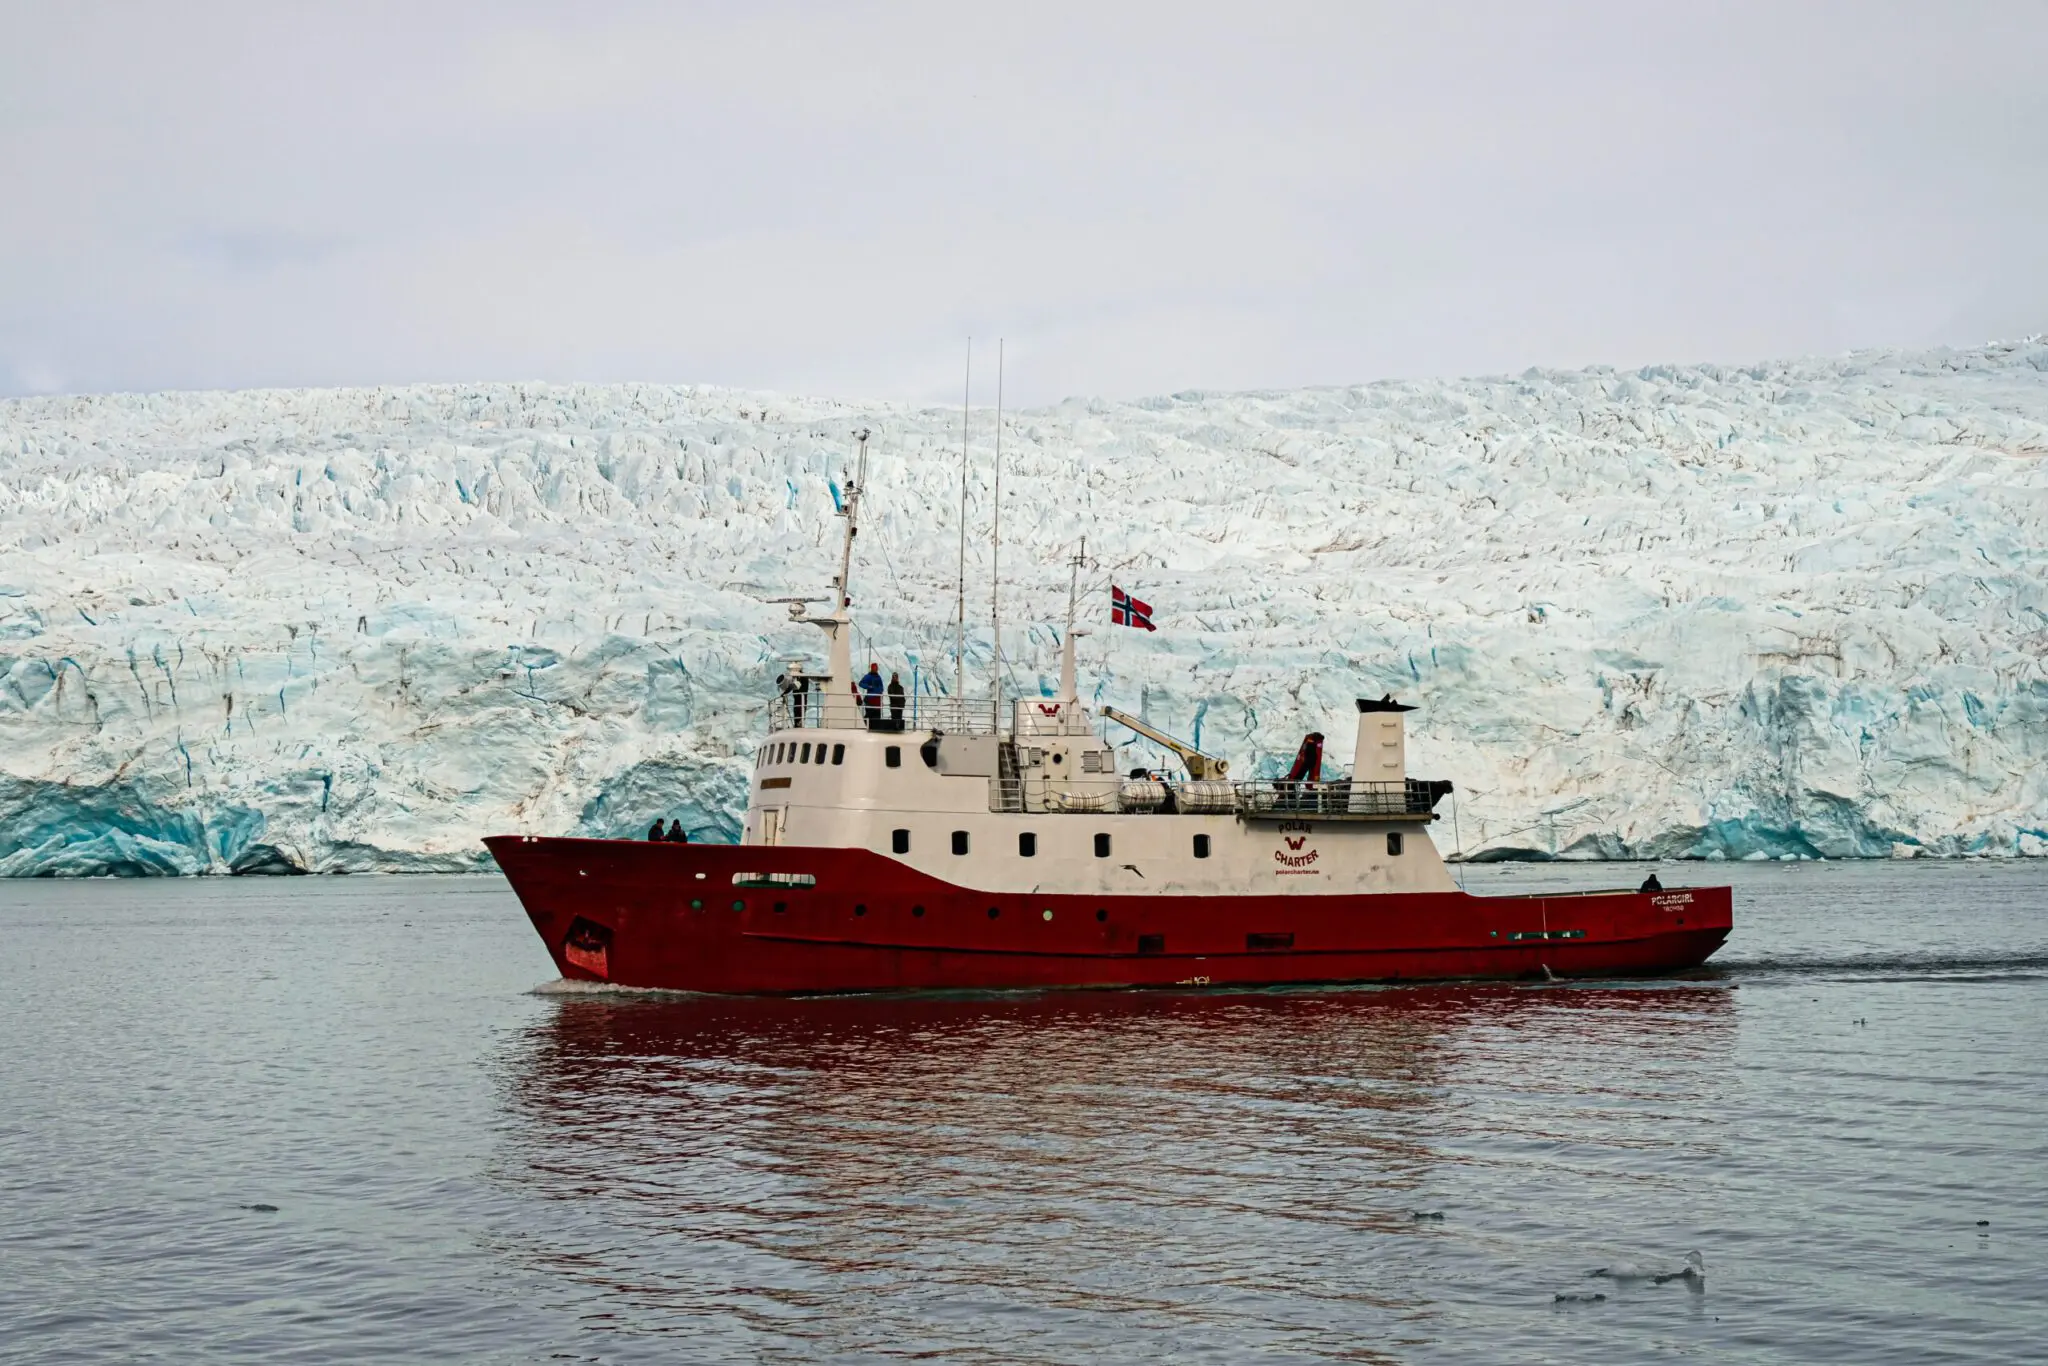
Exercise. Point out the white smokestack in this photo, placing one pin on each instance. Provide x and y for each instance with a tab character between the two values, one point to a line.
1381	755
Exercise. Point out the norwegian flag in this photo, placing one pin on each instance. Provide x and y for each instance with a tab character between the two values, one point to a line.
1125	610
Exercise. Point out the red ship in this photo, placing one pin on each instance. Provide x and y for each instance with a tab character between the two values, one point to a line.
976	845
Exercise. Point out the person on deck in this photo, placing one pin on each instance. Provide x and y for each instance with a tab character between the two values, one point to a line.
676	833
1306	773
871	694
895	702
654	831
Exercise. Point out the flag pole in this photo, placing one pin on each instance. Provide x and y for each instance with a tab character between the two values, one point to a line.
995	568
960	602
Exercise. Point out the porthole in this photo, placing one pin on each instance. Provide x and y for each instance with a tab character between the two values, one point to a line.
739	905
1201	846
1101	915
892	756
696	903
959	841
1102	846
1393	842
860	910
899	841
1046	915
781	906
995	912
917	910
1027	844
839	754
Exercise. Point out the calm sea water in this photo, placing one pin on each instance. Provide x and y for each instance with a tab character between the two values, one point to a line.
466	1169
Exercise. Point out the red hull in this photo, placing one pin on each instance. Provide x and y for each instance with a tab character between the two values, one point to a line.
670	916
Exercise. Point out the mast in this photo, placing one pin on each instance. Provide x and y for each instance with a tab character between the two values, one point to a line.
838	626
1070	691
960	602
852	516
995	567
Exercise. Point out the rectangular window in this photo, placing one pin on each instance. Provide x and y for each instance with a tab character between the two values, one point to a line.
892	757
782	752
1257	942
1201	846
774	880
839	754
959	841
899	841
1102	846
1027	844
806	756
819	757
1151	943
1393	841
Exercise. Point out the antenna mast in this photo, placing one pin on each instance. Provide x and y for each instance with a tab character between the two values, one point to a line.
1070	693
852	515
1074	580
960	603
995	567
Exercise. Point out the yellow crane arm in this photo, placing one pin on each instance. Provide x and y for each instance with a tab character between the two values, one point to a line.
1200	766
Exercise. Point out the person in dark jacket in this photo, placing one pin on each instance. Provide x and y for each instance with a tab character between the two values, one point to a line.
895	702
871	694
676	833
654	831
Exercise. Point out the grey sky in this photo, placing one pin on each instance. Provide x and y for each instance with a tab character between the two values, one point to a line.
1143	198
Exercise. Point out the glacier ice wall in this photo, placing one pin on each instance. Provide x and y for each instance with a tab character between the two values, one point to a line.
1788	609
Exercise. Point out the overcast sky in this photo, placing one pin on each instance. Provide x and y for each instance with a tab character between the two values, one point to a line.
1142	198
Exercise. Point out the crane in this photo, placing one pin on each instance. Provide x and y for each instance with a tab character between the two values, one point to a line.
1201	767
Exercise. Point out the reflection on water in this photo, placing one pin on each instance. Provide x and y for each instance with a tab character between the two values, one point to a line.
330	1120
870	1174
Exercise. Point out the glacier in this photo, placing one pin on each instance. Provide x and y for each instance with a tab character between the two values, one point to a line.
1789	610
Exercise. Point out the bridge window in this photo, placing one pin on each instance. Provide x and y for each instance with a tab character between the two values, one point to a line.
959	841
893	756
819	757
1393	842
1102	846
899	841
839	754
1027	844
1201	846
806	756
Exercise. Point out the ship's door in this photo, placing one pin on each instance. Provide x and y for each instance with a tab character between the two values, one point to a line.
771	824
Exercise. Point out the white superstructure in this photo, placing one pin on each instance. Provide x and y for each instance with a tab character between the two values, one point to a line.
1027	796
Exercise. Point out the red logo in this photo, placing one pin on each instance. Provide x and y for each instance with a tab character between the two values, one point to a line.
1294	843
1049	708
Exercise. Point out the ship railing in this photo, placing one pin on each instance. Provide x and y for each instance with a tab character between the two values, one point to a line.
1054	798
1272	799
814	709
1336	800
